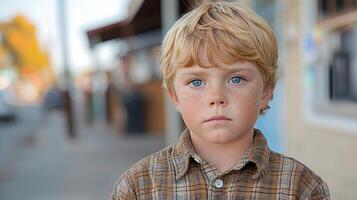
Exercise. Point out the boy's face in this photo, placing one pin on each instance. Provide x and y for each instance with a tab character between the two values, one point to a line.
220	104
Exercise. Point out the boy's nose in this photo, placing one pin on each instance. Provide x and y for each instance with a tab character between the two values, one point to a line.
218	99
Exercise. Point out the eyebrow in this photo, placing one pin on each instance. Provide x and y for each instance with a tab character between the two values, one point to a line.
193	72
231	70
198	72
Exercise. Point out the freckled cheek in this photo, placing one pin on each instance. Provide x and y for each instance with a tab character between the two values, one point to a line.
189	107
245	99
190	97
190	104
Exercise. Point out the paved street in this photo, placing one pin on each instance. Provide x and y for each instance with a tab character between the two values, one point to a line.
51	167
14	134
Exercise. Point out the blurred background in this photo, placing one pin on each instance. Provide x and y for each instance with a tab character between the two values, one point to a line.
81	97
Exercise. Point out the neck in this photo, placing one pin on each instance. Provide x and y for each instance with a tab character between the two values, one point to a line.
222	155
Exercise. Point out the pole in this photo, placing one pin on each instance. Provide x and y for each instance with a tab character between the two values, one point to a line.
169	13
68	106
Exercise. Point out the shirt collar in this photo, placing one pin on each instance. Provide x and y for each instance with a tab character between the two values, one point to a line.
182	153
258	153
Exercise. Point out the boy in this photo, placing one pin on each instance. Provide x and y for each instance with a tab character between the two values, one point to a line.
219	67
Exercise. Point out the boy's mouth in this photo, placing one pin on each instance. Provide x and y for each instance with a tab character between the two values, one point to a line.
218	118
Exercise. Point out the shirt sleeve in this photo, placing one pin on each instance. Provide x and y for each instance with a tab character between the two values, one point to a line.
321	191
123	190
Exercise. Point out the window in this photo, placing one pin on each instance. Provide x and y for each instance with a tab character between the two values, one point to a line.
338	19
343	66
330	64
329	8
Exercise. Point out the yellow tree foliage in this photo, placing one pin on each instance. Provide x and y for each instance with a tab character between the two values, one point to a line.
19	36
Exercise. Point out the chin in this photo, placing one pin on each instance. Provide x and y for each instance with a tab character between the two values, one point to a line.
222	137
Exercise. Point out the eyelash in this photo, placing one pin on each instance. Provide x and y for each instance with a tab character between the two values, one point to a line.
193	80
240	79
230	79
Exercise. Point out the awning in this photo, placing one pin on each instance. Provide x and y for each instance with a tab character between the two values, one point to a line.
146	19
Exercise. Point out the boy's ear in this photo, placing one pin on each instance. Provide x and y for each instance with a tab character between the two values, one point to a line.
267	96
174	98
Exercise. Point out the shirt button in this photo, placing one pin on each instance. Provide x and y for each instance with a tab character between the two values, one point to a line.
218	183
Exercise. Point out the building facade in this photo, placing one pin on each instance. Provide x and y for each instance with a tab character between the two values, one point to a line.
319	73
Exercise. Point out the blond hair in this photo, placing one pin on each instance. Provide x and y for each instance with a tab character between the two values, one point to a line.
227	32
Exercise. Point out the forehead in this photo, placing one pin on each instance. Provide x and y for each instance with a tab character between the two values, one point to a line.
204	60
238	66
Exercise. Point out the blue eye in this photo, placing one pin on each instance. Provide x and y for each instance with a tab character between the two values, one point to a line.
196	83
236	80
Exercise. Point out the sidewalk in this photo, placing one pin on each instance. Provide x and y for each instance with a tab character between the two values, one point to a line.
13	134
54	168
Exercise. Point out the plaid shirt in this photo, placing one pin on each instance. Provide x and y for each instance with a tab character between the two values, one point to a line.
177	172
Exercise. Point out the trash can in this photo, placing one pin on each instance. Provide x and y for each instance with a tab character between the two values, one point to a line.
135	105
